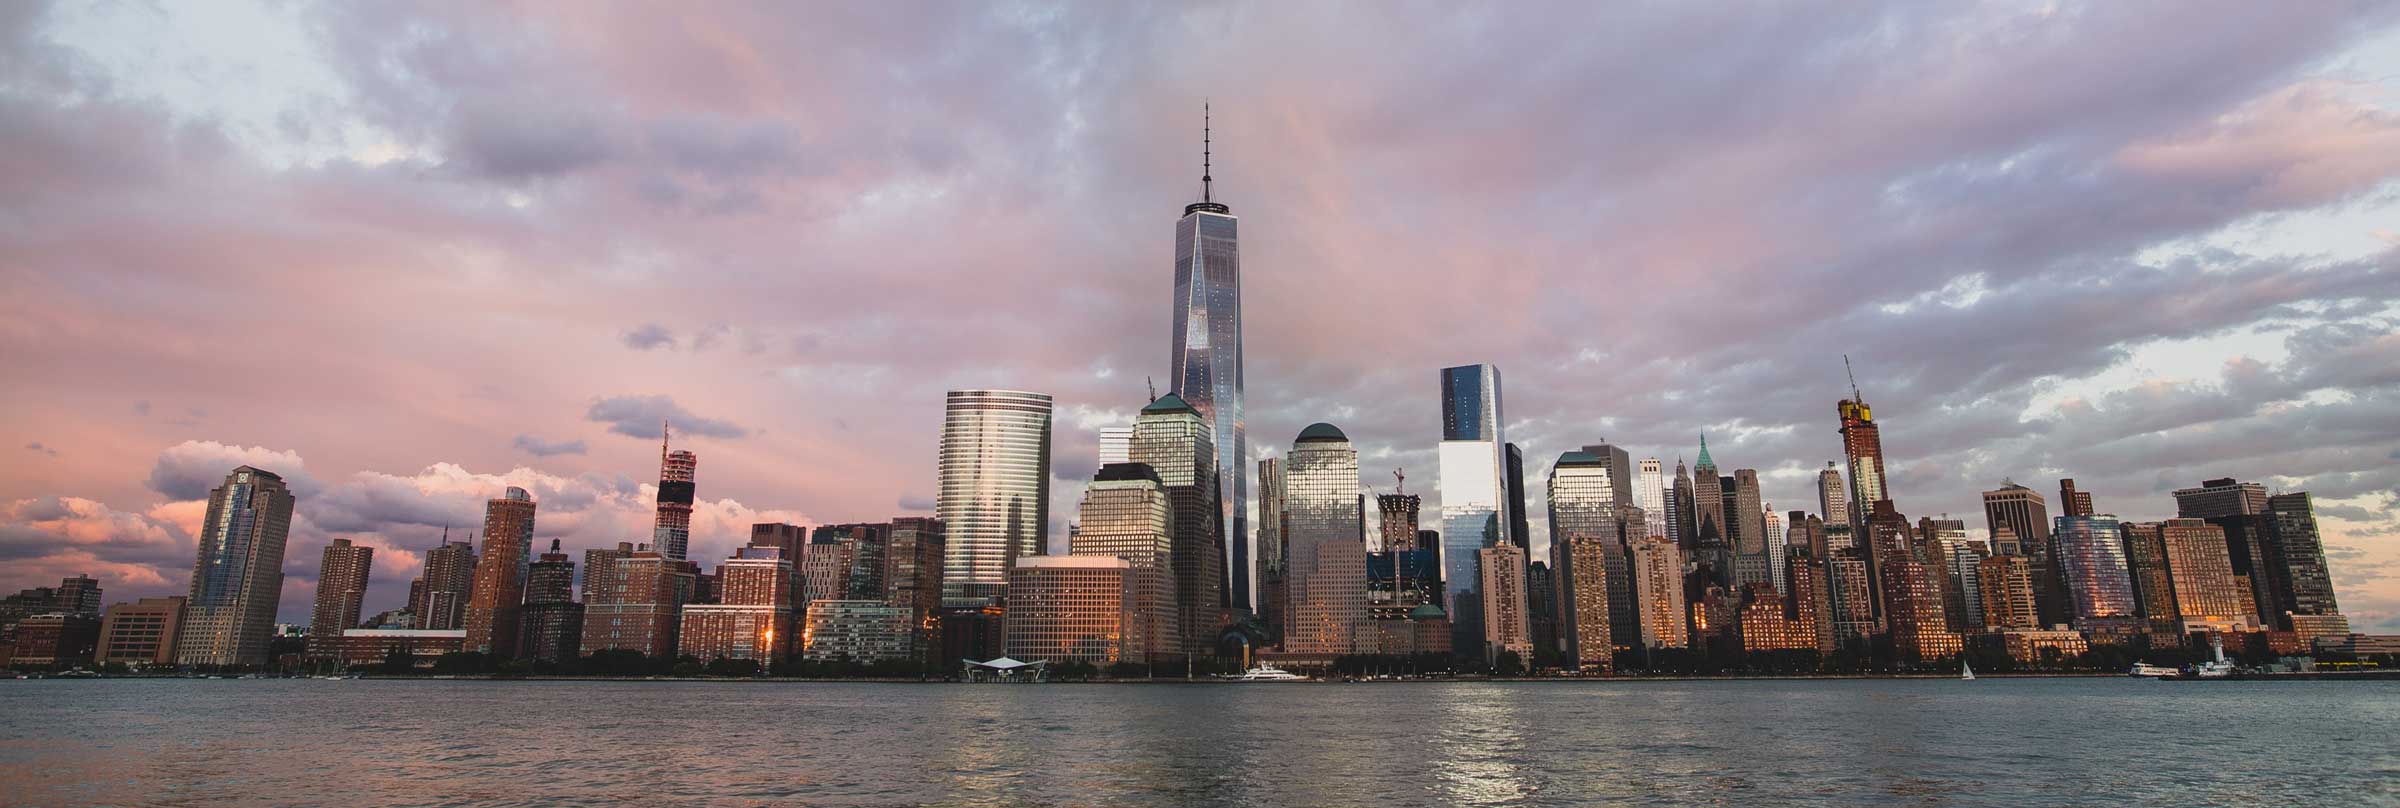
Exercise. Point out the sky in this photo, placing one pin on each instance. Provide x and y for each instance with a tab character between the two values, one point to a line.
407	254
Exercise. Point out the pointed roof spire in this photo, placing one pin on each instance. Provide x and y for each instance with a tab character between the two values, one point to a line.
1704	461
1208	194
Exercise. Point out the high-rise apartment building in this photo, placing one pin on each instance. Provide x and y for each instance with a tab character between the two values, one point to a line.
1588	642
2073	502
2220	497
237	578
913	579
634	603
1325	536
1473	480
1658	591
993	491
1128	514
2008	594
1862	446
550	625
1205	362
671	532
499	592
1506	626
1173	439
1073	608
2090	554
439	599
1850	593
870	631
341	589
752	618
2153	581
2205	594
2296	560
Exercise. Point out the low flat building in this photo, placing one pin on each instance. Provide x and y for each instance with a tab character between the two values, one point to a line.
2360	644
857	631
57	638
2035	646
141	633
373	646
1073	607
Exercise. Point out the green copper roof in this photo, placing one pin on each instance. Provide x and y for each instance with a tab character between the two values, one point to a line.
1579	458
1426	612
1170	403
1322	431
1704	453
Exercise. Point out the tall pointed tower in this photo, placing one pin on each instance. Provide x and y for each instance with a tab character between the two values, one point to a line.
1206	366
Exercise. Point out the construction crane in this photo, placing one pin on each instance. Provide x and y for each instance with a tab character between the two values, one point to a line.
1403	481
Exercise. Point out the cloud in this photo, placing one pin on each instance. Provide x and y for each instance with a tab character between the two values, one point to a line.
635	416
188	470
36	446
544	448
648	336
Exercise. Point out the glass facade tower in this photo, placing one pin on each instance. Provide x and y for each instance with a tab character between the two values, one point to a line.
993	489
1205	365
1474	509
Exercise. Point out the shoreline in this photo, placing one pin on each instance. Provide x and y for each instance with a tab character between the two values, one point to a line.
2390	675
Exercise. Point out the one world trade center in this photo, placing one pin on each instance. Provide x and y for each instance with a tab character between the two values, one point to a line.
1206	368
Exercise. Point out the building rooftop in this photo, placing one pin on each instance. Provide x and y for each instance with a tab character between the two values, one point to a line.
1170	403
1322	431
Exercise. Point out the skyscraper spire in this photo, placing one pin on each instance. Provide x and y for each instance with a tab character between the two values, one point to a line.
1704	461
1207	190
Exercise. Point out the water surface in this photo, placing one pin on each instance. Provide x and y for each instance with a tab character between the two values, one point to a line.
2118	742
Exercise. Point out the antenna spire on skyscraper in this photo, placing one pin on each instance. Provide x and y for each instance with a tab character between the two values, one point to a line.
1207	182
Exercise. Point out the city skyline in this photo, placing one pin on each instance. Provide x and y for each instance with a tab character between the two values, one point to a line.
1992	364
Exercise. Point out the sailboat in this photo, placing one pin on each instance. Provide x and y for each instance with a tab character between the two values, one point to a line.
1966	671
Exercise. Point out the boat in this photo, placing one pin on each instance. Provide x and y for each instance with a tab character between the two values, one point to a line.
2147	670
1966	671
1267	673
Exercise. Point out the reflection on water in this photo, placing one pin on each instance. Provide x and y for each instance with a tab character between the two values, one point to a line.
1995	741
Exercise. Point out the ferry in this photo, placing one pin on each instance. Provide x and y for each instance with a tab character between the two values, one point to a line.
1267	673
2147	670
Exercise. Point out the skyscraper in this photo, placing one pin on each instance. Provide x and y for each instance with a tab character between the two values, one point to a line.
2027	517
1506	626
1206	361
1658	589
1862	446
1325	534
1586	499
672	533
993	489
492	609
1710	548
2153	581
1473	476
1397	527
2008	597
2071	501
1172	438
1512	494
237	578
341	587
1127	514
1833	500
1752	564
1650	493
1680	510
1269	572
1116	444
913	579
440	599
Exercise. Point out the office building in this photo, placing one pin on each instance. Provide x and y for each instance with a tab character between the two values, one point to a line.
1173	439
2153	582
1116	444
141	633
1712	551
913	579
1658	591
1127	514
1073	608
1205	365
1650	494
1752	564
993	489
867	631
1325	538
237	579
1587	497
1473	489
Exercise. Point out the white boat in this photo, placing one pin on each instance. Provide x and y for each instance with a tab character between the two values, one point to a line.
2147	670
1267	673
1966	671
